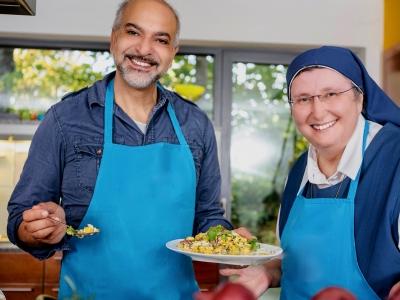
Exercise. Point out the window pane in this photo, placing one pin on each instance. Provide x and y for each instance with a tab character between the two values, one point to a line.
31	80
192	76
261	146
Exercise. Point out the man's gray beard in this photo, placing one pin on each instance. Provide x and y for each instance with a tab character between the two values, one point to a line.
137	82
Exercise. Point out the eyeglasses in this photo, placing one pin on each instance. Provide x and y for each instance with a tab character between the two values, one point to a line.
327	98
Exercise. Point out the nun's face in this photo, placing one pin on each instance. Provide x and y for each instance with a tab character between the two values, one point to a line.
327	122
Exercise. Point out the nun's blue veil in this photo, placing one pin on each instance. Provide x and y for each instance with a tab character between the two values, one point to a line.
379	107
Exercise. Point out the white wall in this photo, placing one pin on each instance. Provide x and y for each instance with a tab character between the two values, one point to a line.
255	23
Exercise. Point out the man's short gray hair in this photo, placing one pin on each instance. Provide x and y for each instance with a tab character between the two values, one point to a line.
121	8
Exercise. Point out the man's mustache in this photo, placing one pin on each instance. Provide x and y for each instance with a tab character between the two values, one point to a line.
145	59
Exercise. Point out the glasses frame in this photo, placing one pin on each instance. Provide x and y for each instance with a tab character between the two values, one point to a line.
324	97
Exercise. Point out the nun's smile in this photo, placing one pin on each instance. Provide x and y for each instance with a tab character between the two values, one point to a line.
323	126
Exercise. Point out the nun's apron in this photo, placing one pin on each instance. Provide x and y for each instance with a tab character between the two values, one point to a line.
144	196
319	246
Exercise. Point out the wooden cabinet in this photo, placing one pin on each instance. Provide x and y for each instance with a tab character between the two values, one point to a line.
51	274
23	277
20	275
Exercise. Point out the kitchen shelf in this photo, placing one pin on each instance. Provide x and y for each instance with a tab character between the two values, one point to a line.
18	131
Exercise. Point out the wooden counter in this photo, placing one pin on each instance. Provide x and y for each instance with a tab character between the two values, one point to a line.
23	277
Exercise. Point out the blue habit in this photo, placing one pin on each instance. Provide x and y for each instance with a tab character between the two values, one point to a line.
376	212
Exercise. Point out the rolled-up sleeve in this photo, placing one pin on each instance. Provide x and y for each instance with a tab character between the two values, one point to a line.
40	180
209	211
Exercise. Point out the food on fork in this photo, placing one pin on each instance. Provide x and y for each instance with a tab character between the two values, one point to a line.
89	229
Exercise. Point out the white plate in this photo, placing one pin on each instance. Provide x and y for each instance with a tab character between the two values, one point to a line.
263	254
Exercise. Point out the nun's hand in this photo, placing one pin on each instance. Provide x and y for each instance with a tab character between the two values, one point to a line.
255	278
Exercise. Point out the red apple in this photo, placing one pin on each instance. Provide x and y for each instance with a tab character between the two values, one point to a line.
227	291
395	292
334	293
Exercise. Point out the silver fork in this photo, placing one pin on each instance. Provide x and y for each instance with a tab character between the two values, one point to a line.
56	220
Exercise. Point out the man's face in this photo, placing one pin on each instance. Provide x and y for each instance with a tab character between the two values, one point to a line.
144	46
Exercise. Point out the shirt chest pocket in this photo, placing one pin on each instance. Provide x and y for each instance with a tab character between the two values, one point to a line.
195	148
87	162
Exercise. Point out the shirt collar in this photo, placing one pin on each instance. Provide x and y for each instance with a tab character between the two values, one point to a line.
97	94
352	156
349	163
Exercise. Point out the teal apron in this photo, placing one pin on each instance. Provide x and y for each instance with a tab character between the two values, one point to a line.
319	246
144	197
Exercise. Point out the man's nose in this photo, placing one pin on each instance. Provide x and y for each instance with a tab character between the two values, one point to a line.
144	46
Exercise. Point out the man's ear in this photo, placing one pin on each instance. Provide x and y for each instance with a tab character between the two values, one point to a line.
112	40
175	52
176	49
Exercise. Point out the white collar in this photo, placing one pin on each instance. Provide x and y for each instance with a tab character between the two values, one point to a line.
349	163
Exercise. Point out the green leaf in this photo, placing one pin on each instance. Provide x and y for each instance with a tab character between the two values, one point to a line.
213	232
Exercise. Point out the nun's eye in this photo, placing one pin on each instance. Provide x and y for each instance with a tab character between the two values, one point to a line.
328	96
303	100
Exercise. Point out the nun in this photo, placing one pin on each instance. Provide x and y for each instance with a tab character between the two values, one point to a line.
339	217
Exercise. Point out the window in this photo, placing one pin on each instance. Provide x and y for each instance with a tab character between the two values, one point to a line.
261	147
259	140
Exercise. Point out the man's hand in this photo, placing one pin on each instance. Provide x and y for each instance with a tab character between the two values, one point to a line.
244	232
37	227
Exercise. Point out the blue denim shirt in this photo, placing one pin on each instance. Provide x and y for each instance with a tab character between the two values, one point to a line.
66	151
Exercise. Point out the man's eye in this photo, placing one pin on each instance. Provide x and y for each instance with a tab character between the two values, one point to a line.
132	32
163	41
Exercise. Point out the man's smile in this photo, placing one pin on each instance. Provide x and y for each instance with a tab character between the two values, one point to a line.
140	63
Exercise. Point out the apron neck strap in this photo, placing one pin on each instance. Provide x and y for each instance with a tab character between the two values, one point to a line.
108	117
354	183
108	113
175	124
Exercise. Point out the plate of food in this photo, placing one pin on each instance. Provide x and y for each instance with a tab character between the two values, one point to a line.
220	245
